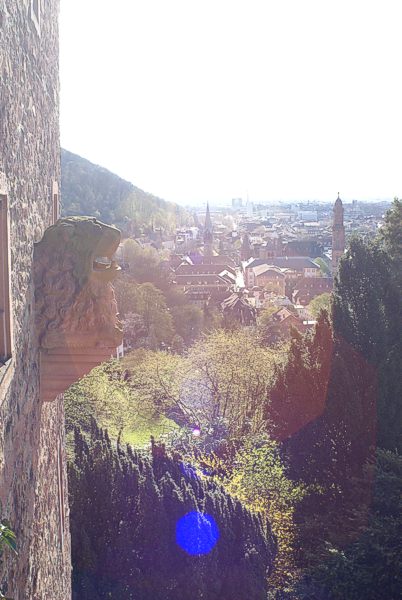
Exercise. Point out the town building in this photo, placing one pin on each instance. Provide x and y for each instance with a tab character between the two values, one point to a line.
303	247
237	309
208	268
296	266
270	278
202	288
280	325
211	279
311	287
186	240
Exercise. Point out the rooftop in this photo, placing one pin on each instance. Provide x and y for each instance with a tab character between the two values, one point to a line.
286	262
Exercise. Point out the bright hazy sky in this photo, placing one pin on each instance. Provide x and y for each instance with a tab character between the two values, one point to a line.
197	100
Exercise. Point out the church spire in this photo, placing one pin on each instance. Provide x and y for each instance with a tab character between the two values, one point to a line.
245	249
208	234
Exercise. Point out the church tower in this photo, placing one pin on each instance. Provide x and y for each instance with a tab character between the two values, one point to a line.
208	234
338	234
246	251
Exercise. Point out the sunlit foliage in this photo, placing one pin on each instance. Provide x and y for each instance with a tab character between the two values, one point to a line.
149	303
320	303
259	480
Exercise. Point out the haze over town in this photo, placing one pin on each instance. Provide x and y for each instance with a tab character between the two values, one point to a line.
208	101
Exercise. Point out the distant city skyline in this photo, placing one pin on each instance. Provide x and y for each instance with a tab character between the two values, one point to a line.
289	202
208	101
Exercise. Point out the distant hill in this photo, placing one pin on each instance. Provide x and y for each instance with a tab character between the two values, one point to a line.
88	189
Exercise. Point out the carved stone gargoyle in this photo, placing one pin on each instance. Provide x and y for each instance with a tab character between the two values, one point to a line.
75	309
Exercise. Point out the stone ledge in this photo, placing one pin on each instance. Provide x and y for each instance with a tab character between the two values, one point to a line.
61	367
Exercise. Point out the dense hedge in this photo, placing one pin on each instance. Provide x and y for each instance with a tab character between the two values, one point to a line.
124	510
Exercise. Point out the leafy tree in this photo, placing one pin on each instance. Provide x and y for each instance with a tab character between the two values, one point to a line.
260	482
299	394
324	267
267	329
149	303
134	330
125	288
104	395
175	297
367	316
144	264
224	376
320	303
7	540
212	318
371	566
7	537
351	374
229	376
365	309
391	233
264	319
177	345
155	379
188	322
141	211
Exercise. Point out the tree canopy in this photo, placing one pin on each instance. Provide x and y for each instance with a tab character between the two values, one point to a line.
320	303
391	233
149	303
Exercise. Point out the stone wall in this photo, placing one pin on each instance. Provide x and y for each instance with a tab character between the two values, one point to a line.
33	478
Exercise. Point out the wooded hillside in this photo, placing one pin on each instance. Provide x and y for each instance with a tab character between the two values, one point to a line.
88	189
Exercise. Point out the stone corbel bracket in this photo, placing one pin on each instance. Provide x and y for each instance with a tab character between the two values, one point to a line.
75	309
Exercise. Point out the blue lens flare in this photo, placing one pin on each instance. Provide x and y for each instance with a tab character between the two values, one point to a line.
197	533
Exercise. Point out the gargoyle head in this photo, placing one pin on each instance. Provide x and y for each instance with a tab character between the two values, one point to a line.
73	270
